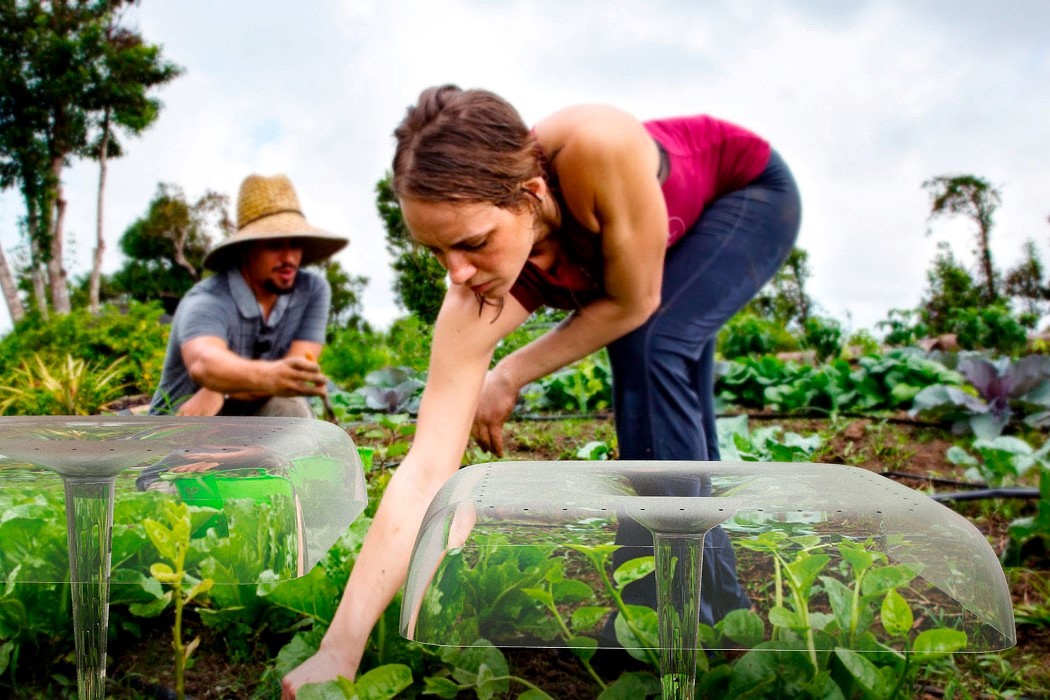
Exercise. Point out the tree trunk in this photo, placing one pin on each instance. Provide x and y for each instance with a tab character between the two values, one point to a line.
10	291
36	274
991	292
100	241
56	270
181	235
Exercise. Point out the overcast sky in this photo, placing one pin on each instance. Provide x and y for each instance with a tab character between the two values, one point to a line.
865	101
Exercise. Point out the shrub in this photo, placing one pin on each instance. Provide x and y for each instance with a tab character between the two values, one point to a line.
135	333
989	328
823	336
748	334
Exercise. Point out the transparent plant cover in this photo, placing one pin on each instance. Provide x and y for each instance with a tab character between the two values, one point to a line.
231	500
560	554
302	477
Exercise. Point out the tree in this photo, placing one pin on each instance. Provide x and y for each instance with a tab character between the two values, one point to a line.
165	248
1025	282
419	286
55	78
949	289
346	308
784	298
976	198
128	69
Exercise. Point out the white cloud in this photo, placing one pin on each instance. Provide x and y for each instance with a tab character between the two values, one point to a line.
865	100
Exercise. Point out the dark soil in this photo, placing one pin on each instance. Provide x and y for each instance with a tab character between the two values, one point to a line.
911	453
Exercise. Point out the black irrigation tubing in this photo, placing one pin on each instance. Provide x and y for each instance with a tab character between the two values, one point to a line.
934	479
604	415
982	494
789	415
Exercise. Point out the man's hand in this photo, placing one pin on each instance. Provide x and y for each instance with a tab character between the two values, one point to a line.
497	400
297	376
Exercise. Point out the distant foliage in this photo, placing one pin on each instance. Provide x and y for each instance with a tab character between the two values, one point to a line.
903	327
420	279
354	352
824	336
135	333
990	328
66	387
750	334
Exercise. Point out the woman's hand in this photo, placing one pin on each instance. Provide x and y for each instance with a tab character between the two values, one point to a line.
326	665
498	398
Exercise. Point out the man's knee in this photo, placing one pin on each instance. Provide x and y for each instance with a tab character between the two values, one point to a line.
286	407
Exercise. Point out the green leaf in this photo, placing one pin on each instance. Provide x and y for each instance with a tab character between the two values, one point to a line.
151	609
897	617
162	538
329	690
863	671
5	655
587	617
742	626
383	682
633	570
884	578
583	647
629	686
780	616
533	694
645	632
935	643
200	588
441	687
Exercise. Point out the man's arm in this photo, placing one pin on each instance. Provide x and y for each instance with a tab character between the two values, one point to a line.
213	366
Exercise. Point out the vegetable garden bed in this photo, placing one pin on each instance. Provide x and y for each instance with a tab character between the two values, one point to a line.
243	659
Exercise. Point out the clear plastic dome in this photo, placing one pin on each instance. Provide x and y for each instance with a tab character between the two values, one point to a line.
560	554
271	495
302	477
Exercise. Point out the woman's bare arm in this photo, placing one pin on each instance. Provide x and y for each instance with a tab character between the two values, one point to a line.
461	351
607	165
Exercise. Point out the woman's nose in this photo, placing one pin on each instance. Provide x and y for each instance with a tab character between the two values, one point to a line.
459	268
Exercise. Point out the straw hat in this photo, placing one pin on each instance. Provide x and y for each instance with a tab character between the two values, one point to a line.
267	207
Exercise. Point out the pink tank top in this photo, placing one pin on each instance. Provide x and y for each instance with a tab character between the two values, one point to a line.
707	158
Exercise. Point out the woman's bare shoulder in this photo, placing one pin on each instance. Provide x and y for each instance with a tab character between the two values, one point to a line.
585	127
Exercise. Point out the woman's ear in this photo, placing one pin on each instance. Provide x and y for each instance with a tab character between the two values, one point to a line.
536	187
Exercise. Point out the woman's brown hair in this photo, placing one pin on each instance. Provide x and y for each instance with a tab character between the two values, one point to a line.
464	146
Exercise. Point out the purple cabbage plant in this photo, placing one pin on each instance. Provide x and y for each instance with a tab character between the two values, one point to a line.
999	389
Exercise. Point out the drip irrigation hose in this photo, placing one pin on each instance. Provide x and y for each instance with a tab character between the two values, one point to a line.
934	479
1006	492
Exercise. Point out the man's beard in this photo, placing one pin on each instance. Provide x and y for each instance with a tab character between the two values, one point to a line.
271	286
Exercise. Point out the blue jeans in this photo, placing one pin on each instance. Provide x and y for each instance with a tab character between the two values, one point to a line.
663	372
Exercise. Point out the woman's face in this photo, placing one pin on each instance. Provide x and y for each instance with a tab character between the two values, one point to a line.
483	247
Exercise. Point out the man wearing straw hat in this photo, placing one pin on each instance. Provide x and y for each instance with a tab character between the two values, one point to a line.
244	341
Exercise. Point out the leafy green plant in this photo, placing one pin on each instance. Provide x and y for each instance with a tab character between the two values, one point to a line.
172	540
903	327
748	334
989	328
795	662
386	390
70	387
595	450
581	387
824	336
134	332
768	444
997	388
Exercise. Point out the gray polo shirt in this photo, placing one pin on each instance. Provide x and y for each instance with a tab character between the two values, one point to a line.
223	306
